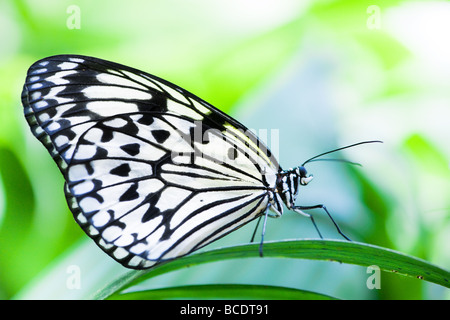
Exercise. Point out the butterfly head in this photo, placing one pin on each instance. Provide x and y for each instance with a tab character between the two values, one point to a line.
288	184
303	176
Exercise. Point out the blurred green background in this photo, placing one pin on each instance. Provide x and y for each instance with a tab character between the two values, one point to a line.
322	74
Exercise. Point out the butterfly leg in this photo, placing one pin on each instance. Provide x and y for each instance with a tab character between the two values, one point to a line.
266	214
256	229
275	214
262	234
299	209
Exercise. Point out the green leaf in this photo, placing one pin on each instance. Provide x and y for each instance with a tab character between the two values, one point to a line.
223	291
331	250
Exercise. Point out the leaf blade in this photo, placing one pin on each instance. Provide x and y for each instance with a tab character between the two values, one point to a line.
223	291
332	250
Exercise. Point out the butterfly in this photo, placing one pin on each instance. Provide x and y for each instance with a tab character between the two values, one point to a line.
152	172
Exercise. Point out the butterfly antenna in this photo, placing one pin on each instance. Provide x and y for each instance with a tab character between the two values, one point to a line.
338	149
339	160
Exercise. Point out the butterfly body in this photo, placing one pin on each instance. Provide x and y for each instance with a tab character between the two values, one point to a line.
152	171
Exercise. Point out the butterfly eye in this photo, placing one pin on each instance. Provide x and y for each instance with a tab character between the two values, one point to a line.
303	175
301	172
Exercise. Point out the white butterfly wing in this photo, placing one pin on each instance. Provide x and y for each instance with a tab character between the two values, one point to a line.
152	172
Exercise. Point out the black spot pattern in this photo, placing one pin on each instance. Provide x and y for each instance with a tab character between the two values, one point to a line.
122	171
130	194
160	135
132	149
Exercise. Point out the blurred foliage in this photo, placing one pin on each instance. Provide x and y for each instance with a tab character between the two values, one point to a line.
325	73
